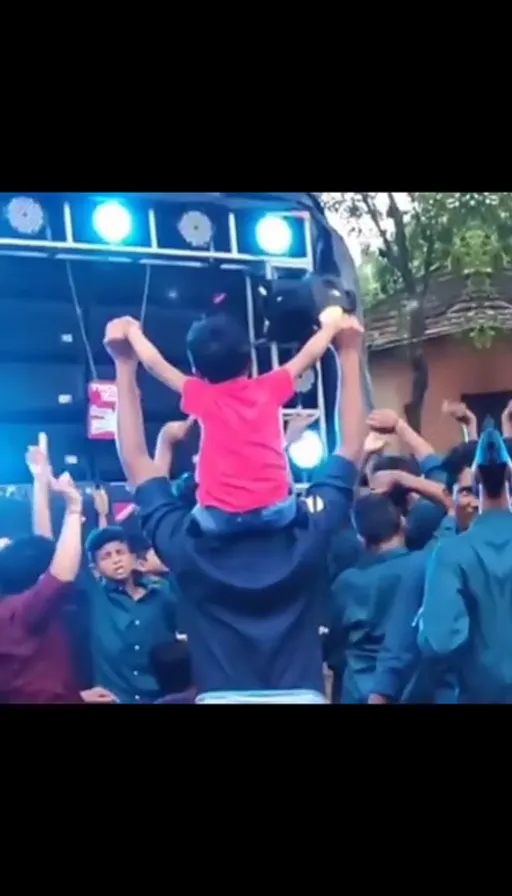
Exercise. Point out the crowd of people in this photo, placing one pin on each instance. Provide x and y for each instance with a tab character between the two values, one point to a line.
394	585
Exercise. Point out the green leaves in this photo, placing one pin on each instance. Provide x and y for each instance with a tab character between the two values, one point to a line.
409	237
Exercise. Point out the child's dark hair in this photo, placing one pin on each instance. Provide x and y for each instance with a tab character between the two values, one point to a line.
218	348
101	537
376	519
171	666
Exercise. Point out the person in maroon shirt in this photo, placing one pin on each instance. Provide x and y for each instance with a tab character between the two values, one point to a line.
35	579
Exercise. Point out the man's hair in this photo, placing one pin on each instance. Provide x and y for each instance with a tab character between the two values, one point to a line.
172	667
218	348
398	495
101	537
406	463
457	460
23	562
376	519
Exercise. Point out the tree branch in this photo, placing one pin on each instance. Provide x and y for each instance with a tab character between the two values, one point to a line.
402	245
427	262
388	246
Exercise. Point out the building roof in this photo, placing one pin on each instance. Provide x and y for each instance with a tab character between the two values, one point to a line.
454	305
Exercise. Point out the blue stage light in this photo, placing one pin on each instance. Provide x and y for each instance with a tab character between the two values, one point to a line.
274	235
308	451
112	222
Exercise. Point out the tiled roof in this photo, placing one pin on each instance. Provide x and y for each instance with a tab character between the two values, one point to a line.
453	305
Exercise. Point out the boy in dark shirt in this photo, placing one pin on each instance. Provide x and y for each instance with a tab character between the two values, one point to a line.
363	597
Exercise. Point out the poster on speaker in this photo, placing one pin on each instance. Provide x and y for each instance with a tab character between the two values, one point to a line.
102	409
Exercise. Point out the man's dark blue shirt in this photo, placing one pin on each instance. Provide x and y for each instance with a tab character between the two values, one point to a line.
123	633
466	616
400	674
251	603
363	599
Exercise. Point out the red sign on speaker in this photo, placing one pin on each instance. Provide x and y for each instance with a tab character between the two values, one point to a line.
101	415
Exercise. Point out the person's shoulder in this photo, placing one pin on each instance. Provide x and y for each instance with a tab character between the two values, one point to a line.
451	548
352	575
415	561
336	471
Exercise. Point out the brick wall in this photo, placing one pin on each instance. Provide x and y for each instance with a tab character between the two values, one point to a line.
455	368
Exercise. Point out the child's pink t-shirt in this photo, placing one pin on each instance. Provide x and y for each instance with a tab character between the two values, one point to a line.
242	463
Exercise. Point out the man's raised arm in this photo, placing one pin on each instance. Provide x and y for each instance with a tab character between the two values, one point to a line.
34	605
336	480
162	516
131	440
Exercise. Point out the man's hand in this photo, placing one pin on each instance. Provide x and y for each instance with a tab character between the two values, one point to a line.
65	486
377	700
37	459
383	421
350	334
375	442
98	695
116	339
459	411
101	502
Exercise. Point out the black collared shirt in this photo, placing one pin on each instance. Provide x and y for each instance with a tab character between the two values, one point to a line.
362	603
123	633
251	602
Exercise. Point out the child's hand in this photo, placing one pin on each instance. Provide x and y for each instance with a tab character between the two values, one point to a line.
331	317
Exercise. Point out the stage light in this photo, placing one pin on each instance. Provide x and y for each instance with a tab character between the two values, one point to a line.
25	215
112	222
274	235
307	452
196	228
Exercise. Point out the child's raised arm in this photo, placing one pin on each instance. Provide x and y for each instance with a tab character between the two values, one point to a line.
153	360
315	347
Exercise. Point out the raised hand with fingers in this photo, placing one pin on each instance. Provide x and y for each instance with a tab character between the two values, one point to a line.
37	459
65	486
